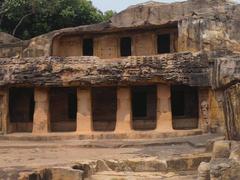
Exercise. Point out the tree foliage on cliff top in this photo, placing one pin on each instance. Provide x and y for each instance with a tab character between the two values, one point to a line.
29	18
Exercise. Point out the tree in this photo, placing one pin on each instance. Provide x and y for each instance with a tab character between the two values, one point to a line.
29	18
108	14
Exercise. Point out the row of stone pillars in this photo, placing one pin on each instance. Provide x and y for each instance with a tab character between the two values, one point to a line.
41	122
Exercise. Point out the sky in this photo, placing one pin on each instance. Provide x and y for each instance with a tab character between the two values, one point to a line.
118	5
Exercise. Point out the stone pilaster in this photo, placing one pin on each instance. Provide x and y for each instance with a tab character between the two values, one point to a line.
204	108
84	112
164	112
41	118
124	115
4	111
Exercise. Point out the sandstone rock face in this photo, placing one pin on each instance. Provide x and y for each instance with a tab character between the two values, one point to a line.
7	38
162	13
58	173
226	70
231	106
204	171
10	46
222	166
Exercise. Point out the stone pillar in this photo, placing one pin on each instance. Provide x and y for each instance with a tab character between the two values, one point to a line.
84	111
164	112
4	111
41	118
124	114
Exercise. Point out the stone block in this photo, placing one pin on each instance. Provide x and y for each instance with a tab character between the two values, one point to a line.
221	149
204	171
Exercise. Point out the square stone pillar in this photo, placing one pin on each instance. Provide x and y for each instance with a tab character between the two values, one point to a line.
124	113
84	111
164	112
4	111
41	118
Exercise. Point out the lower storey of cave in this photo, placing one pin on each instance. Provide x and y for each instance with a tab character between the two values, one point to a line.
159	107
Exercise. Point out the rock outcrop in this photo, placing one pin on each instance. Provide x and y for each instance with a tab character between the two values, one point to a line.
225	162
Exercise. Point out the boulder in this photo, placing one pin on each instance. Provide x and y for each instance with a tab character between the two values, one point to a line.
204	171
221	149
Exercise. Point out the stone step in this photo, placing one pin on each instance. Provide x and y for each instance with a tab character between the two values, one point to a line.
135	169
110	175
100	135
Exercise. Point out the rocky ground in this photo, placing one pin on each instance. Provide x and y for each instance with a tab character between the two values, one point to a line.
169	158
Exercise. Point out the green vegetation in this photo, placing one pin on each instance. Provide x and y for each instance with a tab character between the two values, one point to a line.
29	18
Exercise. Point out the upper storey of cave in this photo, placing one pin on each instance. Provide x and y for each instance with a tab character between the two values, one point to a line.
142	30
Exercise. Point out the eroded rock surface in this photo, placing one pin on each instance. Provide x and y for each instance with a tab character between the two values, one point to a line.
222	166
183	68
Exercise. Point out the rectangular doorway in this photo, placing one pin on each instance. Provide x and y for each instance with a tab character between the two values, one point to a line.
184	102
144	107
164	43
63	109
104	108
21	109
125	46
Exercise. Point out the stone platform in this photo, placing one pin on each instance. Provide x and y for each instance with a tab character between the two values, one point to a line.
99	135
156	158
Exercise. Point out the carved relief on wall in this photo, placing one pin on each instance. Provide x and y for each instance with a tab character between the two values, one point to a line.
205	116
1	112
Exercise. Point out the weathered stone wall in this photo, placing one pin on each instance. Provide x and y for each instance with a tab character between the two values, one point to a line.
232	111
7	38
216	115
10	46
225	82
224	164
211	32
108	46
67	46
180	68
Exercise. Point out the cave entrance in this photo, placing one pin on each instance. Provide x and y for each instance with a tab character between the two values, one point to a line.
21	109
164	43
87	47
126	46
144	107
104	108
63	109
184	101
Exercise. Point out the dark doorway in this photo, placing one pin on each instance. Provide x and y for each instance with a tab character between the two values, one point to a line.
63	109
164	43
144	107
21	109
87	47
104	108
126	46
184	101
